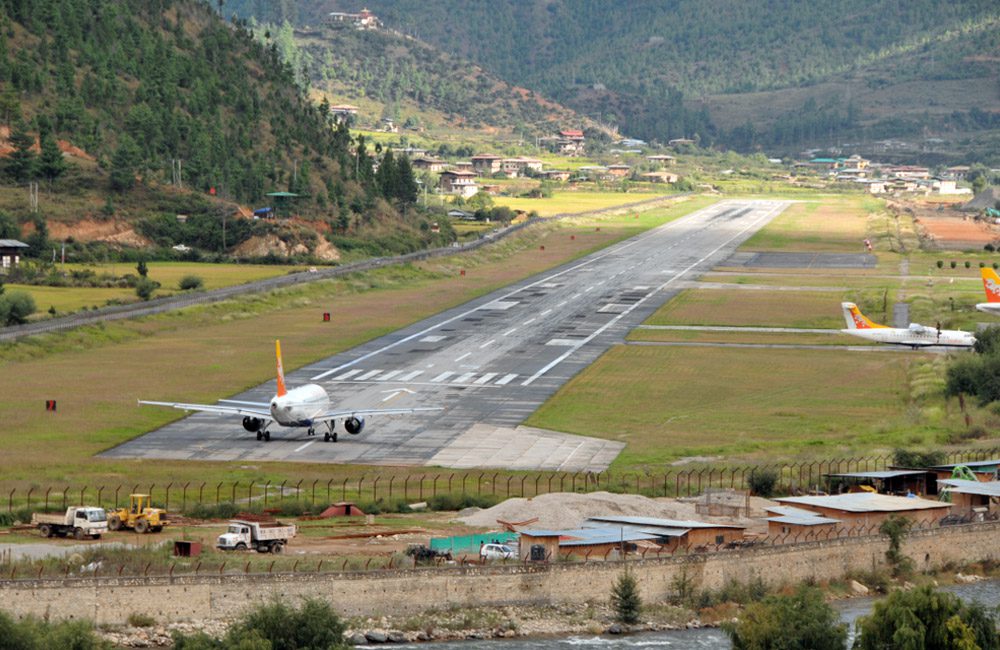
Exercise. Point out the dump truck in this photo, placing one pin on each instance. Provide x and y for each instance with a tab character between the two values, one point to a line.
264	537
78	521
139	516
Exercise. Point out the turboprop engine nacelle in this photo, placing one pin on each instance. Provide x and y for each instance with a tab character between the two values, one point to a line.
354	426
252	424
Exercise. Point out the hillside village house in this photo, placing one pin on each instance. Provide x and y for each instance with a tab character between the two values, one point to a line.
459	183
680	142
343	112
661	159
364	20
569	142
464	165
619	171
429	164
558	175
514	167
486	164
659	177
10	254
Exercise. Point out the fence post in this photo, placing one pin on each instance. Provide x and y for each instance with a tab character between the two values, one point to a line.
281	490
250	493
450	477
328	499
375	488
315	481
360	481
235	485
166	499
479	484
218	490
47	490
184	496
82	490
391	480
522	485
201	493
343	490
10	500
508	486
65	491
298	490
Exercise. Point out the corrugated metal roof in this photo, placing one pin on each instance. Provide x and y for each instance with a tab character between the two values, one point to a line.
814	520
790	511
866	502
12	243
608	537
661	523
886	474
975	463
542	532
962	486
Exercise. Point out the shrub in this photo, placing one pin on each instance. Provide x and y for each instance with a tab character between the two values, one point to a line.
216	511
908	458
34	634
940	264
625	599
15	307
190	283
145	287
968	264
801	620
954	264
896	529
996	266
989	248
135	619
762	482
450	502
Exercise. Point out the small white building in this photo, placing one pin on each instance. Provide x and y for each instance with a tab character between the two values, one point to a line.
459	183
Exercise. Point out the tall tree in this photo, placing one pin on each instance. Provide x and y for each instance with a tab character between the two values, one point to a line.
51	163
22	163
124	164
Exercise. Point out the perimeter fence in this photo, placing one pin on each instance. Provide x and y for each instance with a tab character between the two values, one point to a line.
391	487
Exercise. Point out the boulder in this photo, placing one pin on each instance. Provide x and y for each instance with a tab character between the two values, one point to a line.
858	588
357	639
376	636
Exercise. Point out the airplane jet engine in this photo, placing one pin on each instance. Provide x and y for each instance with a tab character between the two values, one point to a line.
252	424
354	426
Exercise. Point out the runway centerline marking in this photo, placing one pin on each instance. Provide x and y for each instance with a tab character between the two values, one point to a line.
301	447
614	249
598	331
488	343
510	331
467	354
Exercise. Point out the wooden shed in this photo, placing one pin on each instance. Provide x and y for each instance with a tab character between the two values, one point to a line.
865	509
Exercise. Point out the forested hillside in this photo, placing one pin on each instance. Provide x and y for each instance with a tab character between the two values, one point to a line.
164	93
631	62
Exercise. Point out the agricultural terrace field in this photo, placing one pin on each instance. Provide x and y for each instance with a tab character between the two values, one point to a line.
836	224
668	403
68	299
212	351
563	201
168	274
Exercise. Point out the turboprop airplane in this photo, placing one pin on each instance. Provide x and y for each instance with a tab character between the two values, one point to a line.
915	336
991	282
305	406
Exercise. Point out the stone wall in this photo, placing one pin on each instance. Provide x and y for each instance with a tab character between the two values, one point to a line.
167	599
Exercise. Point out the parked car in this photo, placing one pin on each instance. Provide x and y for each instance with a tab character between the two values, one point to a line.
495	552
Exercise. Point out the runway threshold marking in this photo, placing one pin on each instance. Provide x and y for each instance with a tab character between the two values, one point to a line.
635	305
610	251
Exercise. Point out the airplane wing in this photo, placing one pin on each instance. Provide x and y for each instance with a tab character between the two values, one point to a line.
263	405
259	411
345	413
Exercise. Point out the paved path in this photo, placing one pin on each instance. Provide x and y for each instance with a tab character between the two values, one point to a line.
490	362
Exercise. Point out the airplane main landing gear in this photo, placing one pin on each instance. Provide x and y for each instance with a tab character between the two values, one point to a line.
266	435
311	432
260	436
331	434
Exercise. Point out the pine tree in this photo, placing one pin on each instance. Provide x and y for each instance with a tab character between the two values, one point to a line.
406	182
23	162
625	599
51	162
123	164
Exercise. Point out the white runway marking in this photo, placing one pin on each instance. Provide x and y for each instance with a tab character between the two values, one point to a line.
348	374
463	379
529	321
443	376
506	380
547	311
368	375
510	331
410	375
488	343
485	378
467	354
389	375
301	447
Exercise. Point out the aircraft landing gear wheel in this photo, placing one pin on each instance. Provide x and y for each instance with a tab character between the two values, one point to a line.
333	436
267	436
326	437
311	431
260	436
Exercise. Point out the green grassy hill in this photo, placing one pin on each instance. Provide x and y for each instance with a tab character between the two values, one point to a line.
807	73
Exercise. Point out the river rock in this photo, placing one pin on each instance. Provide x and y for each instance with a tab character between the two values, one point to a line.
615	628
357	639
858	588
967	579
395	636
376	636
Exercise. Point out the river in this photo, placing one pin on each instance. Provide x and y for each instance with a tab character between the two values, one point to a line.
986	592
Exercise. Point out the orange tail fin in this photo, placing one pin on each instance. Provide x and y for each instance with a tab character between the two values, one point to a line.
991	282
281	370
855	319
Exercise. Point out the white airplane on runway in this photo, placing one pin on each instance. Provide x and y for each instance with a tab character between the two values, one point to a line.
915	335
991	282
305	406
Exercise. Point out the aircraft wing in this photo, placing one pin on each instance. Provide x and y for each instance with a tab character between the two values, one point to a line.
259	411
262	405
346	413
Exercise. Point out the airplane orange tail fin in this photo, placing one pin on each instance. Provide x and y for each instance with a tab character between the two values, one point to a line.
855	319
991	282
281	370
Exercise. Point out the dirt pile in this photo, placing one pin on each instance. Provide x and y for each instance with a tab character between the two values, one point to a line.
568	510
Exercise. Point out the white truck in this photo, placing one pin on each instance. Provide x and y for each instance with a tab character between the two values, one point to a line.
264	537
79	521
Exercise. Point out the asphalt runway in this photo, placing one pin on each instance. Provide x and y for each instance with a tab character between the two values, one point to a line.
489	363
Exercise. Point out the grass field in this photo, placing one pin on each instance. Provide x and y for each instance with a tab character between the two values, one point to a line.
168	274
766	338
759	308
667	403
68	299
211	351
572	201
837	224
